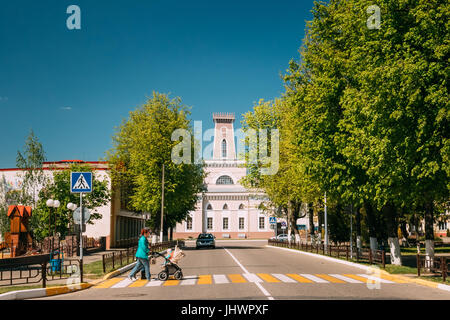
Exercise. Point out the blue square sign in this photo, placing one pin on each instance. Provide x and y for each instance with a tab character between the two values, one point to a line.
80	182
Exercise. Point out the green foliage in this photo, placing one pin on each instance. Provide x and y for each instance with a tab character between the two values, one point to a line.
43	218
30	162
141	145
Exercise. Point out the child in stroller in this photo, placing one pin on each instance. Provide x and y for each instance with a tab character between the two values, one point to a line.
170	266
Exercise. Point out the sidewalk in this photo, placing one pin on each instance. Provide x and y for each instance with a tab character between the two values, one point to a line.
66	284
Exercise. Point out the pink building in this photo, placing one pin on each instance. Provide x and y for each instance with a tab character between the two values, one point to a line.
227	209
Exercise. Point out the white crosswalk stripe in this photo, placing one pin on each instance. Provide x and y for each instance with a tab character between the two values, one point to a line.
283	278
154	283
122	284
314	278
220	278
374	278
251	277
188	280
346	279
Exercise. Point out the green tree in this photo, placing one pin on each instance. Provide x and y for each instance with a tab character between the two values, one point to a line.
46	220
142	144
30	161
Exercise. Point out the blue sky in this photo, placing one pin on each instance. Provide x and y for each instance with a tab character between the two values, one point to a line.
73	87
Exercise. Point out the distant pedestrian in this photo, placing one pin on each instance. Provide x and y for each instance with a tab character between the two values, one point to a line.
142	256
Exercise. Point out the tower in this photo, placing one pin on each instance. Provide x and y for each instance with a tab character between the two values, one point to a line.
224	148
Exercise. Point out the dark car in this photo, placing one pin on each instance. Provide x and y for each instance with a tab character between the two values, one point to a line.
205	240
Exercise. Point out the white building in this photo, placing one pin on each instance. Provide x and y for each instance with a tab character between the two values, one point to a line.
118	225
227	209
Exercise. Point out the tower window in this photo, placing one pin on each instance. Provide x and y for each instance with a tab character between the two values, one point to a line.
209	207
224	148
224	180
225	207
241	206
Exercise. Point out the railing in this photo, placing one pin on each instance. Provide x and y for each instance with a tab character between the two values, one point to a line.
39	268
437	265
367	255
119	258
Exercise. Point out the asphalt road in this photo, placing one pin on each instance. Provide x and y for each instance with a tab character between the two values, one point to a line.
276	274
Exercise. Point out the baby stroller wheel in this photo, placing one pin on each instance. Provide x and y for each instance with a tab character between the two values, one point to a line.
178	275
162	276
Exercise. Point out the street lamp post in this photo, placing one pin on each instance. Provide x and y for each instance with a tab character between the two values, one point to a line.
52	204
72	206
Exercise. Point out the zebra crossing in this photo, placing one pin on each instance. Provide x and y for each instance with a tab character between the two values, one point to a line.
217	279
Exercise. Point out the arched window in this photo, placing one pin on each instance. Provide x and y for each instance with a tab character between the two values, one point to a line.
224	148
209	207
224	180
241	206
225	207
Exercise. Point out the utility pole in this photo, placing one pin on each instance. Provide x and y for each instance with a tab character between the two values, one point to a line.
162	206
326	223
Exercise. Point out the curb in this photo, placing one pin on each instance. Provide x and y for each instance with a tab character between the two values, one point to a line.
427	283
43	292
47	292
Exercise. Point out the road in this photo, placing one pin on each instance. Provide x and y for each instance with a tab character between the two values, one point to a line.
247	270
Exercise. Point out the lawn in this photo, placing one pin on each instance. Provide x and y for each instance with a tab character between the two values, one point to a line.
413	251
93	270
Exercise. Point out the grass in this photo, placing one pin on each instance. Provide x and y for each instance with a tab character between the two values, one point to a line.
435	278
93	270
413	250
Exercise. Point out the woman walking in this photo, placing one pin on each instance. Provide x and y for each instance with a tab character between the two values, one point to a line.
142	256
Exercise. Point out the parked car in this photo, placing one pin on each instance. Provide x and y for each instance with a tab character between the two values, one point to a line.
205	240
283	237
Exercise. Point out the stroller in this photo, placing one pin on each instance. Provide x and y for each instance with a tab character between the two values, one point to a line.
170	266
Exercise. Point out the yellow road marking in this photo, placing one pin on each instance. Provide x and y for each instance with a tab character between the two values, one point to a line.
299	278
109	283
267	277
236	278
329	278
138	283
204	279
390	278
171	282
354	276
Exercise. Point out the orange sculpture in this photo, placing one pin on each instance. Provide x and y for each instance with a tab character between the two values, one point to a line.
19	236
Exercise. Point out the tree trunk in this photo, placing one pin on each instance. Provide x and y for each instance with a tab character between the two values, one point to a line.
390	213
429	234
370	215
358	228
311	220
293	215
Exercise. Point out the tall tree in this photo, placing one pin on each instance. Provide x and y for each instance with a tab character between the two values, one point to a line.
142	144
30	161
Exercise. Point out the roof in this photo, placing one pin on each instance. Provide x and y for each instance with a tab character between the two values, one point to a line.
24	211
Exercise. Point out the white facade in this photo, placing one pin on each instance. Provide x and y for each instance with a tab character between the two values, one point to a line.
227	209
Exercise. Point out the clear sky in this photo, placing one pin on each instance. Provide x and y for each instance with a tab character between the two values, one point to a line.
73	87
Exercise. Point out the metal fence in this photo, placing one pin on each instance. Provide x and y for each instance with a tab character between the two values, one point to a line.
437	265
68	246
363	254
35	269
120	258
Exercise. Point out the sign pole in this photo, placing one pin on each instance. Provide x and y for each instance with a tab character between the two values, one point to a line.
81	237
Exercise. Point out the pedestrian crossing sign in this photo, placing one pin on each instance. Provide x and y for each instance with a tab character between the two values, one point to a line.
80	182
272	220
